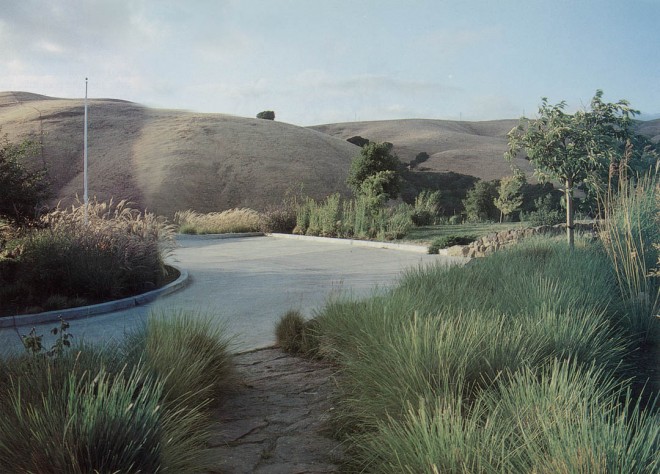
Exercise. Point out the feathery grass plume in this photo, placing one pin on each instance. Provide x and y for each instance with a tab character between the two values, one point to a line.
229	221
119	252
630	233
190	351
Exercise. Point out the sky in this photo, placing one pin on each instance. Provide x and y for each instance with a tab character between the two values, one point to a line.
327	61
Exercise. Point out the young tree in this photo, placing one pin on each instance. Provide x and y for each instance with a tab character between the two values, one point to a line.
509	197
575	148
373	159
21	190
373	189
479	204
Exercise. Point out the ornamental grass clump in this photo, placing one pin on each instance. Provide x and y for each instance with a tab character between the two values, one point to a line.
289	332
442	372
630	233
115	251
229	221
93	422
121	408
356	218
190	351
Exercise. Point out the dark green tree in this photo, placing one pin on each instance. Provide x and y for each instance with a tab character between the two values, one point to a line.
22	190
374	159
574	149
266	115
419	158
480	201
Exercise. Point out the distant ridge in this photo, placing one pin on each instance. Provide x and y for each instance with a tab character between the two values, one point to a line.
169	160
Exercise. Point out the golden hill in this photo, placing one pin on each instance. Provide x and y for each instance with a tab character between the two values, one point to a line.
169	160
471	148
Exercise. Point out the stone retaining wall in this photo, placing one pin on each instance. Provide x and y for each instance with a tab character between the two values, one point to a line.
495	241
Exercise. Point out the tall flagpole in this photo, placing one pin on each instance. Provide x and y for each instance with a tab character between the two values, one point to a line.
86	196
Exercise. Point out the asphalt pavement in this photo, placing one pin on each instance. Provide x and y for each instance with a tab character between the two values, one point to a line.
248	283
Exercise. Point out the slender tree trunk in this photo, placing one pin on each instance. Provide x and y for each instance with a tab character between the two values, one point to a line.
569	214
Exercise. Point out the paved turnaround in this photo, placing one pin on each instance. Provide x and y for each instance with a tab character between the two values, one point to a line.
250	282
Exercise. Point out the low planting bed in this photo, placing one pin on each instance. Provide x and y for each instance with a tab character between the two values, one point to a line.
67	261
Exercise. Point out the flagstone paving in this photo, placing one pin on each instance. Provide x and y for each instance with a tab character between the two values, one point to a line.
275	422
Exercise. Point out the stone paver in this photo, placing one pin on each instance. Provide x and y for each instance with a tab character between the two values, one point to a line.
275	422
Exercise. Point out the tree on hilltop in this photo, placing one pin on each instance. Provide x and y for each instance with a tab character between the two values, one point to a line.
266	115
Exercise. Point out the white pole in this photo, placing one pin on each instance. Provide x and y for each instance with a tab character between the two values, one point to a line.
86	196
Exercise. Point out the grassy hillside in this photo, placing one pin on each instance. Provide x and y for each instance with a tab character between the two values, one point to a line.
469	148
166	160
169	160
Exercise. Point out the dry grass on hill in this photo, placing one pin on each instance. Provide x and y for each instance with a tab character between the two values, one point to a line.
471	148
167	160
170	160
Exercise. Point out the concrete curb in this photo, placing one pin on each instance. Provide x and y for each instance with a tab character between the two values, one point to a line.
355	242
358	243
108	307
218	236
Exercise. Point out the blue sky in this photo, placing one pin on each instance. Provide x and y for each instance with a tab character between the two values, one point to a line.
323	61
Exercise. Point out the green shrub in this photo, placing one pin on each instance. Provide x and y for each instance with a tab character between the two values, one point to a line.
455	219
449	241
266	115
426	208
282	220
479	202
419	158
375	167
24	187
546	213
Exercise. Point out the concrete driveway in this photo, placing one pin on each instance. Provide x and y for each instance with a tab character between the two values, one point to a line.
250	282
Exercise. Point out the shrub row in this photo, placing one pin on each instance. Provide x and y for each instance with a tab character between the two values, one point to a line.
356	218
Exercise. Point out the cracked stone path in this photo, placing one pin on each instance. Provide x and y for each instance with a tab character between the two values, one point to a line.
274	423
